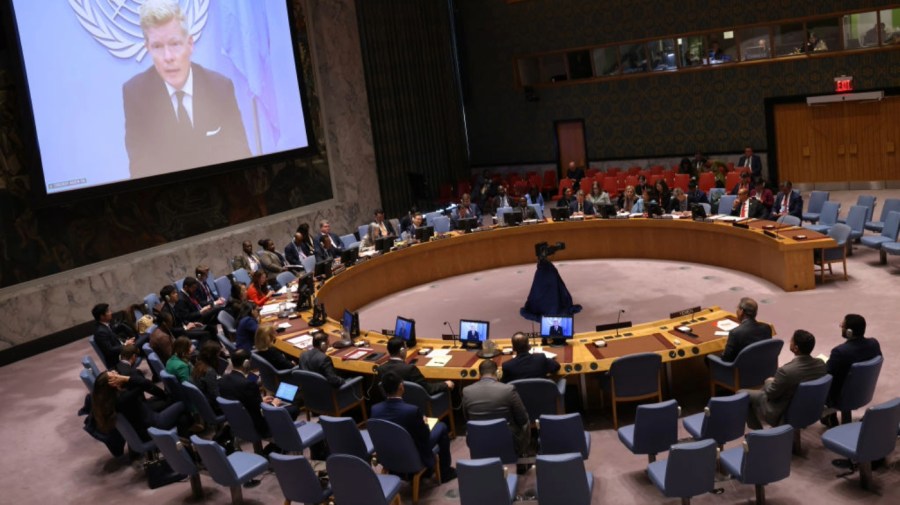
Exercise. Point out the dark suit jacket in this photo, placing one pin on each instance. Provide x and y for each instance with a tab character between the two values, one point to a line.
776	395
152	136
795	204
411	419
588	207
755	164
411	373
336	247
185	309
844	356
756	210
748	332
276	358
317	361
556	331
489	399
234	386
109	344
137	380
529	366
292	252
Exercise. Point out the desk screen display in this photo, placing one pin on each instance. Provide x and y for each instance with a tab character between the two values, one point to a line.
557	326
473	331
404	328
347	320
107	96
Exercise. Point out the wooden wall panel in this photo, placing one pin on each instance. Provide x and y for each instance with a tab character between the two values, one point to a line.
890	138
864	150
792	137
828	149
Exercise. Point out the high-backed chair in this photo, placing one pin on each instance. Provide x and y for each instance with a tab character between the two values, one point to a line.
868	440
297	479
562	480
722	419
241	423
198	401
178	456
344	437
320	397
89	364
349	241
88	379
173	387
398	454
789	220
491	439
269	376
890	205
289	435
634	378
689	471
441	224
242	276
841	234
233	470
763	458
807	405
564	434
888	235
309	264
135	444
229	328
481	482
362	230
223	287
816	200
354	482
151	301
437	405
827	217
285	278
726	203
155	363
541	396
856	220
858	387
93	342
750	368
655	429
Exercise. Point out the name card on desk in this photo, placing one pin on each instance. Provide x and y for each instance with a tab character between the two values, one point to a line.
301	341
439	360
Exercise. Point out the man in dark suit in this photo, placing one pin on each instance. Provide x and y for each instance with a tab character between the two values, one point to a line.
329	247
395	410
472	335
248	260
238	386
857	348
105	338
490	399
189	309
296	250
787	202
396	348
378	228
752	161
526	210
136	378
315	360
526	365
206	293
178	114
746	207
555	329
581	206
747	332
770	403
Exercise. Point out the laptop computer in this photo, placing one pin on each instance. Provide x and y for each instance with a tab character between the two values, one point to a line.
286	392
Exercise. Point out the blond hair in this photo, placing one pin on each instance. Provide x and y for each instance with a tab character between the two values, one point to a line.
159	12
264	338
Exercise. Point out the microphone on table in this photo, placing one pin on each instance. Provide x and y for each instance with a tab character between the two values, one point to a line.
451	333
619	318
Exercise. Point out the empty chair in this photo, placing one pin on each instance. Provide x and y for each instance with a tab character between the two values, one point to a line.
807	405
242	276
233	470
269	376
789	220
362	231
437	405
816	200
706	208
752	366
763	458
223	287
309	264
726	203
88	363
634	378
690	470
722	419
888	234
562	480
198	401
290	435
397	453
349	241
655	429
481	481
441	224
868	440
151	301
541	396
491	439
859	387
868	203
320	397
135	444
429	217
241	423
841	234
230	329
88	379
285	278
827	217
298	481
890	205
178	457
344	437
561	434
856	220
156	364
354	482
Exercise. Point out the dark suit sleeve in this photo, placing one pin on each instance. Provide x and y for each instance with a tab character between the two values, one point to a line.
432	388
552	365
186	311
517	408
731	346
109	344
779	386
327	370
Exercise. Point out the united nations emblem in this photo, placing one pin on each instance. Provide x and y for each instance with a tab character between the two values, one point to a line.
116	25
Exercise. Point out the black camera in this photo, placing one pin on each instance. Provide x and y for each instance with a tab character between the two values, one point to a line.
544	250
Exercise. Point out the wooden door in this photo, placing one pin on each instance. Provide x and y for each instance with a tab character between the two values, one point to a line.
571	145
864	151
890	138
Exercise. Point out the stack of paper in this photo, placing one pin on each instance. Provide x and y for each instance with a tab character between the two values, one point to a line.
301	341
726	325
439	360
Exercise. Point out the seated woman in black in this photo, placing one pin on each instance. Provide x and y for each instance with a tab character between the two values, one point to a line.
264	341
205	374
121	394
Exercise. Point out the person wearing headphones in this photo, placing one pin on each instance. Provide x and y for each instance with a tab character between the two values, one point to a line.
747	332
857	348
315	360
396	348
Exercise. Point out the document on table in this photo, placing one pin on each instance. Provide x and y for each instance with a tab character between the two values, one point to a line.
301	341
438	353
726	217
284	325
721	333
536	350
439	360
726	325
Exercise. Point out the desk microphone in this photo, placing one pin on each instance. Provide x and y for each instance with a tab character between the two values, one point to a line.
451	333
619	318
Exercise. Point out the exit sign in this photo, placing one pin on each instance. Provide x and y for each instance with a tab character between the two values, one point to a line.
843	84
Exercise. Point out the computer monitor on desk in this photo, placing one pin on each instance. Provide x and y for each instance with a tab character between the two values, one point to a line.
557	329
472	334
384	244
350	323
405	328
424	233
466	224
559	213
512	217
349	256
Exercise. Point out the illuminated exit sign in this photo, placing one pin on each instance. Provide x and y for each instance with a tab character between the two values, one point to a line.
843	84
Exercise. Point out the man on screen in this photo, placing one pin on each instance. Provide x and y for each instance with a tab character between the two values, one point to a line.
556	330
472	334
178	114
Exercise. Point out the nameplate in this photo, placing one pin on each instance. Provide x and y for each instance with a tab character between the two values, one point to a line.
740	224
771	234
612	326
686	312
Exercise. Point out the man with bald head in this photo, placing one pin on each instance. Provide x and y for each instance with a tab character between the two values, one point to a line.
748	331
746	207
526	365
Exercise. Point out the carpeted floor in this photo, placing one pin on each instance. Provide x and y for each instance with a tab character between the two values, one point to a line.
50	459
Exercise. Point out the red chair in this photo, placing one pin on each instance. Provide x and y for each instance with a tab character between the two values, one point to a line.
513	178
682	181
631	180
549	185
445	193
586	184
669	176
706	181
656	169
731	180
599	178
730	166
520	188
534	180
463	186
741	170
563	184
646	174
634	170
655	177
611	185
530	174
591	172
613	171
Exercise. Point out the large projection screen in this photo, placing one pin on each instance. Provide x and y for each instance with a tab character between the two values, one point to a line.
203	83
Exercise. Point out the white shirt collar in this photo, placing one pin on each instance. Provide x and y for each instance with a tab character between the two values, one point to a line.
188	87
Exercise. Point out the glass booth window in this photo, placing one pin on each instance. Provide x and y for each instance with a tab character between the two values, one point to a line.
754	43
859	30
606	62
789	39
633	58
890	23
823	35
721	48
529	71
662	55
692	51
580	64
553	68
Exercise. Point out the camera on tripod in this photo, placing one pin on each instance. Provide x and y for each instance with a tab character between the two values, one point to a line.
544	250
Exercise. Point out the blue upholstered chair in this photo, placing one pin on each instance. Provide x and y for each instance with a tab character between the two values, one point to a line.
807	405
285	278
859	387
397	453
155	363
430	216
320	397
135	444
491	439
241	275
286	433
841	234
349	241
198	401
722	419
229	329
178	456
89	364
750	368
561	434
763	458
863	442
309	264
827	217
298	481
655	429
93	342
344	437
634	378
362	231
173	387
562	480
890	205
868	203
689	471
541	396
88	379
726	203
241	423
481	482
223	286
233	470
789	220
888	235
269	376
151	301
436	405
354	482
856	220
441	224
816	200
